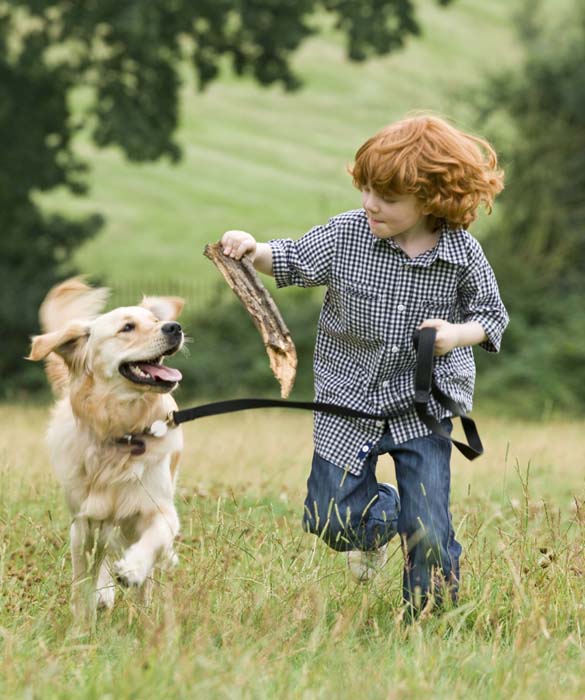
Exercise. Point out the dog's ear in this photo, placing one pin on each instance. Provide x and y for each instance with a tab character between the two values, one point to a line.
72	299
69	343
164	308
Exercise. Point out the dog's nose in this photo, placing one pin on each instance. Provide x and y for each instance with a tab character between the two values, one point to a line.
172	329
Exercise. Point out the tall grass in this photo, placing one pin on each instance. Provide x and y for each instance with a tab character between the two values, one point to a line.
257	609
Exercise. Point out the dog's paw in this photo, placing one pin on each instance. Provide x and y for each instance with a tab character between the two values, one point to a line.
130	571
104	597
169	560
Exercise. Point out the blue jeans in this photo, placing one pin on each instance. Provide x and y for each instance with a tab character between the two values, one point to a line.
356	512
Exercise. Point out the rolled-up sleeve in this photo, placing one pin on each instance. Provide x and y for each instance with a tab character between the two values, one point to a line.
306	262
480	299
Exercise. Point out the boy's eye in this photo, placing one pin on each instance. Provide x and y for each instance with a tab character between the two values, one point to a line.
127	328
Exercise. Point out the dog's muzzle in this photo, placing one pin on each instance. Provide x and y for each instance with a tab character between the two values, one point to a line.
173	332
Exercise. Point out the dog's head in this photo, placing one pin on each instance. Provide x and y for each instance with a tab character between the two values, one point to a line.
123	348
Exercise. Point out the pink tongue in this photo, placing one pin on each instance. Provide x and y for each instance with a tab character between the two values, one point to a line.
165	374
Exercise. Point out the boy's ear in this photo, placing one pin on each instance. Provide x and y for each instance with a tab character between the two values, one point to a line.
164	308
69	343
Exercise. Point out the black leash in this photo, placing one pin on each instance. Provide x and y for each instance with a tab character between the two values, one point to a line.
424	383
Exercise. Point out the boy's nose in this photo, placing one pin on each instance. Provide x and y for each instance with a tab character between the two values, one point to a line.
370	203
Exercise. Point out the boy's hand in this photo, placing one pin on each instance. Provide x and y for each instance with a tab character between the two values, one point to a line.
237	243
447	334
454	335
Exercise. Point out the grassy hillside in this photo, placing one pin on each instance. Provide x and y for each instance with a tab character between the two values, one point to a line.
274	163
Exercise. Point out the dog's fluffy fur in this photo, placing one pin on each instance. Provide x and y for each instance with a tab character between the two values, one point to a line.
123	515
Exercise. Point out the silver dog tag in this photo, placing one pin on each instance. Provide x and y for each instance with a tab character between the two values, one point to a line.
159	428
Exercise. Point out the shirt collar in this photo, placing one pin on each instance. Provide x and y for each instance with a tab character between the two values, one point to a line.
450	246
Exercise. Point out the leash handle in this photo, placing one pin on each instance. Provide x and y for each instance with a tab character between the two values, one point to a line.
425	386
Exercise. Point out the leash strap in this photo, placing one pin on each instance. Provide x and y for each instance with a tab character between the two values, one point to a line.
424	383
233	405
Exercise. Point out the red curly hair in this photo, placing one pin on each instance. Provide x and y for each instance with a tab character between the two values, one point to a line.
452	173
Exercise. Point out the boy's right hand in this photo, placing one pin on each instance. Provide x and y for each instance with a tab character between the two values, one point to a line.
236	244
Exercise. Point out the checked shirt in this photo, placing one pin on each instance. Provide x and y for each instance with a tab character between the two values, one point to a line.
376	297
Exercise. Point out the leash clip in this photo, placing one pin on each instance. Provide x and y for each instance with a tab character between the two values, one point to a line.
161	427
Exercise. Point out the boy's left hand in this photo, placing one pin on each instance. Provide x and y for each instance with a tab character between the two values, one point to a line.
447	334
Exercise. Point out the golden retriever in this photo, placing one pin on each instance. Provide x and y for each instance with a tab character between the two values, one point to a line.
118	478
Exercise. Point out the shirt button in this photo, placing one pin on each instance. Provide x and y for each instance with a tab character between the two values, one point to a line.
401	307
386	384
395	349
380	423
366	448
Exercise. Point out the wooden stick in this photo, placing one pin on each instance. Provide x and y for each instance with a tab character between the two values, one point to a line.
244	281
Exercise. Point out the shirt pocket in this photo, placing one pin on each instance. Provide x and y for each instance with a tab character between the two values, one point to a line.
364	311
439	307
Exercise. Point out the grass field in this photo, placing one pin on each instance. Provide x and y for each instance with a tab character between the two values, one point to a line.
257	609
273	163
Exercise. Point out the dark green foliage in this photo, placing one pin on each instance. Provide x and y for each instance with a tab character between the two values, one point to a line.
35	143
128	57
32	250
374	27
539	250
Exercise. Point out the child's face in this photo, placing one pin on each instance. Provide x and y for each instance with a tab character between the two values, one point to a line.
393	214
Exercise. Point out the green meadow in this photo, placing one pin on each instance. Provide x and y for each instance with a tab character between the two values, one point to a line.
257	609
274	163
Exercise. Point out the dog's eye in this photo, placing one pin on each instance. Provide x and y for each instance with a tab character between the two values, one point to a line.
127	328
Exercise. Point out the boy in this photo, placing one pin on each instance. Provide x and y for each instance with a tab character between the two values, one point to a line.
401	262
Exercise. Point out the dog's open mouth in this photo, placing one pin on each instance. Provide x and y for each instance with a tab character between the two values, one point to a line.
151	372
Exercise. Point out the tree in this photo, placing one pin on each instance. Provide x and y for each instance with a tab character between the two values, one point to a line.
128	56
538	250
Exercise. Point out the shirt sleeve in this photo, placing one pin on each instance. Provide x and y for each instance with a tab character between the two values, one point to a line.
306	262
480	299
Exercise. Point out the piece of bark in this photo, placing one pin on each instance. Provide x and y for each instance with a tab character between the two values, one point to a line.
244	281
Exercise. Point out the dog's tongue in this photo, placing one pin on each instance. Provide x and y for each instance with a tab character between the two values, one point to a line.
165	374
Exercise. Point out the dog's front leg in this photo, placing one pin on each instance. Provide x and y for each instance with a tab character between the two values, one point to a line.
77	534
105	591
157	533
86	558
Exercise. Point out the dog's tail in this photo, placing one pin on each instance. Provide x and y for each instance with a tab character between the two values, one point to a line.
68	301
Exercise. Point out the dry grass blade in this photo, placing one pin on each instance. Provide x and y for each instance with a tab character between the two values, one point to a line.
244	281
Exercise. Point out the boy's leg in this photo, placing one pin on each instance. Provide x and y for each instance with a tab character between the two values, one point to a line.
349	512
432	554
